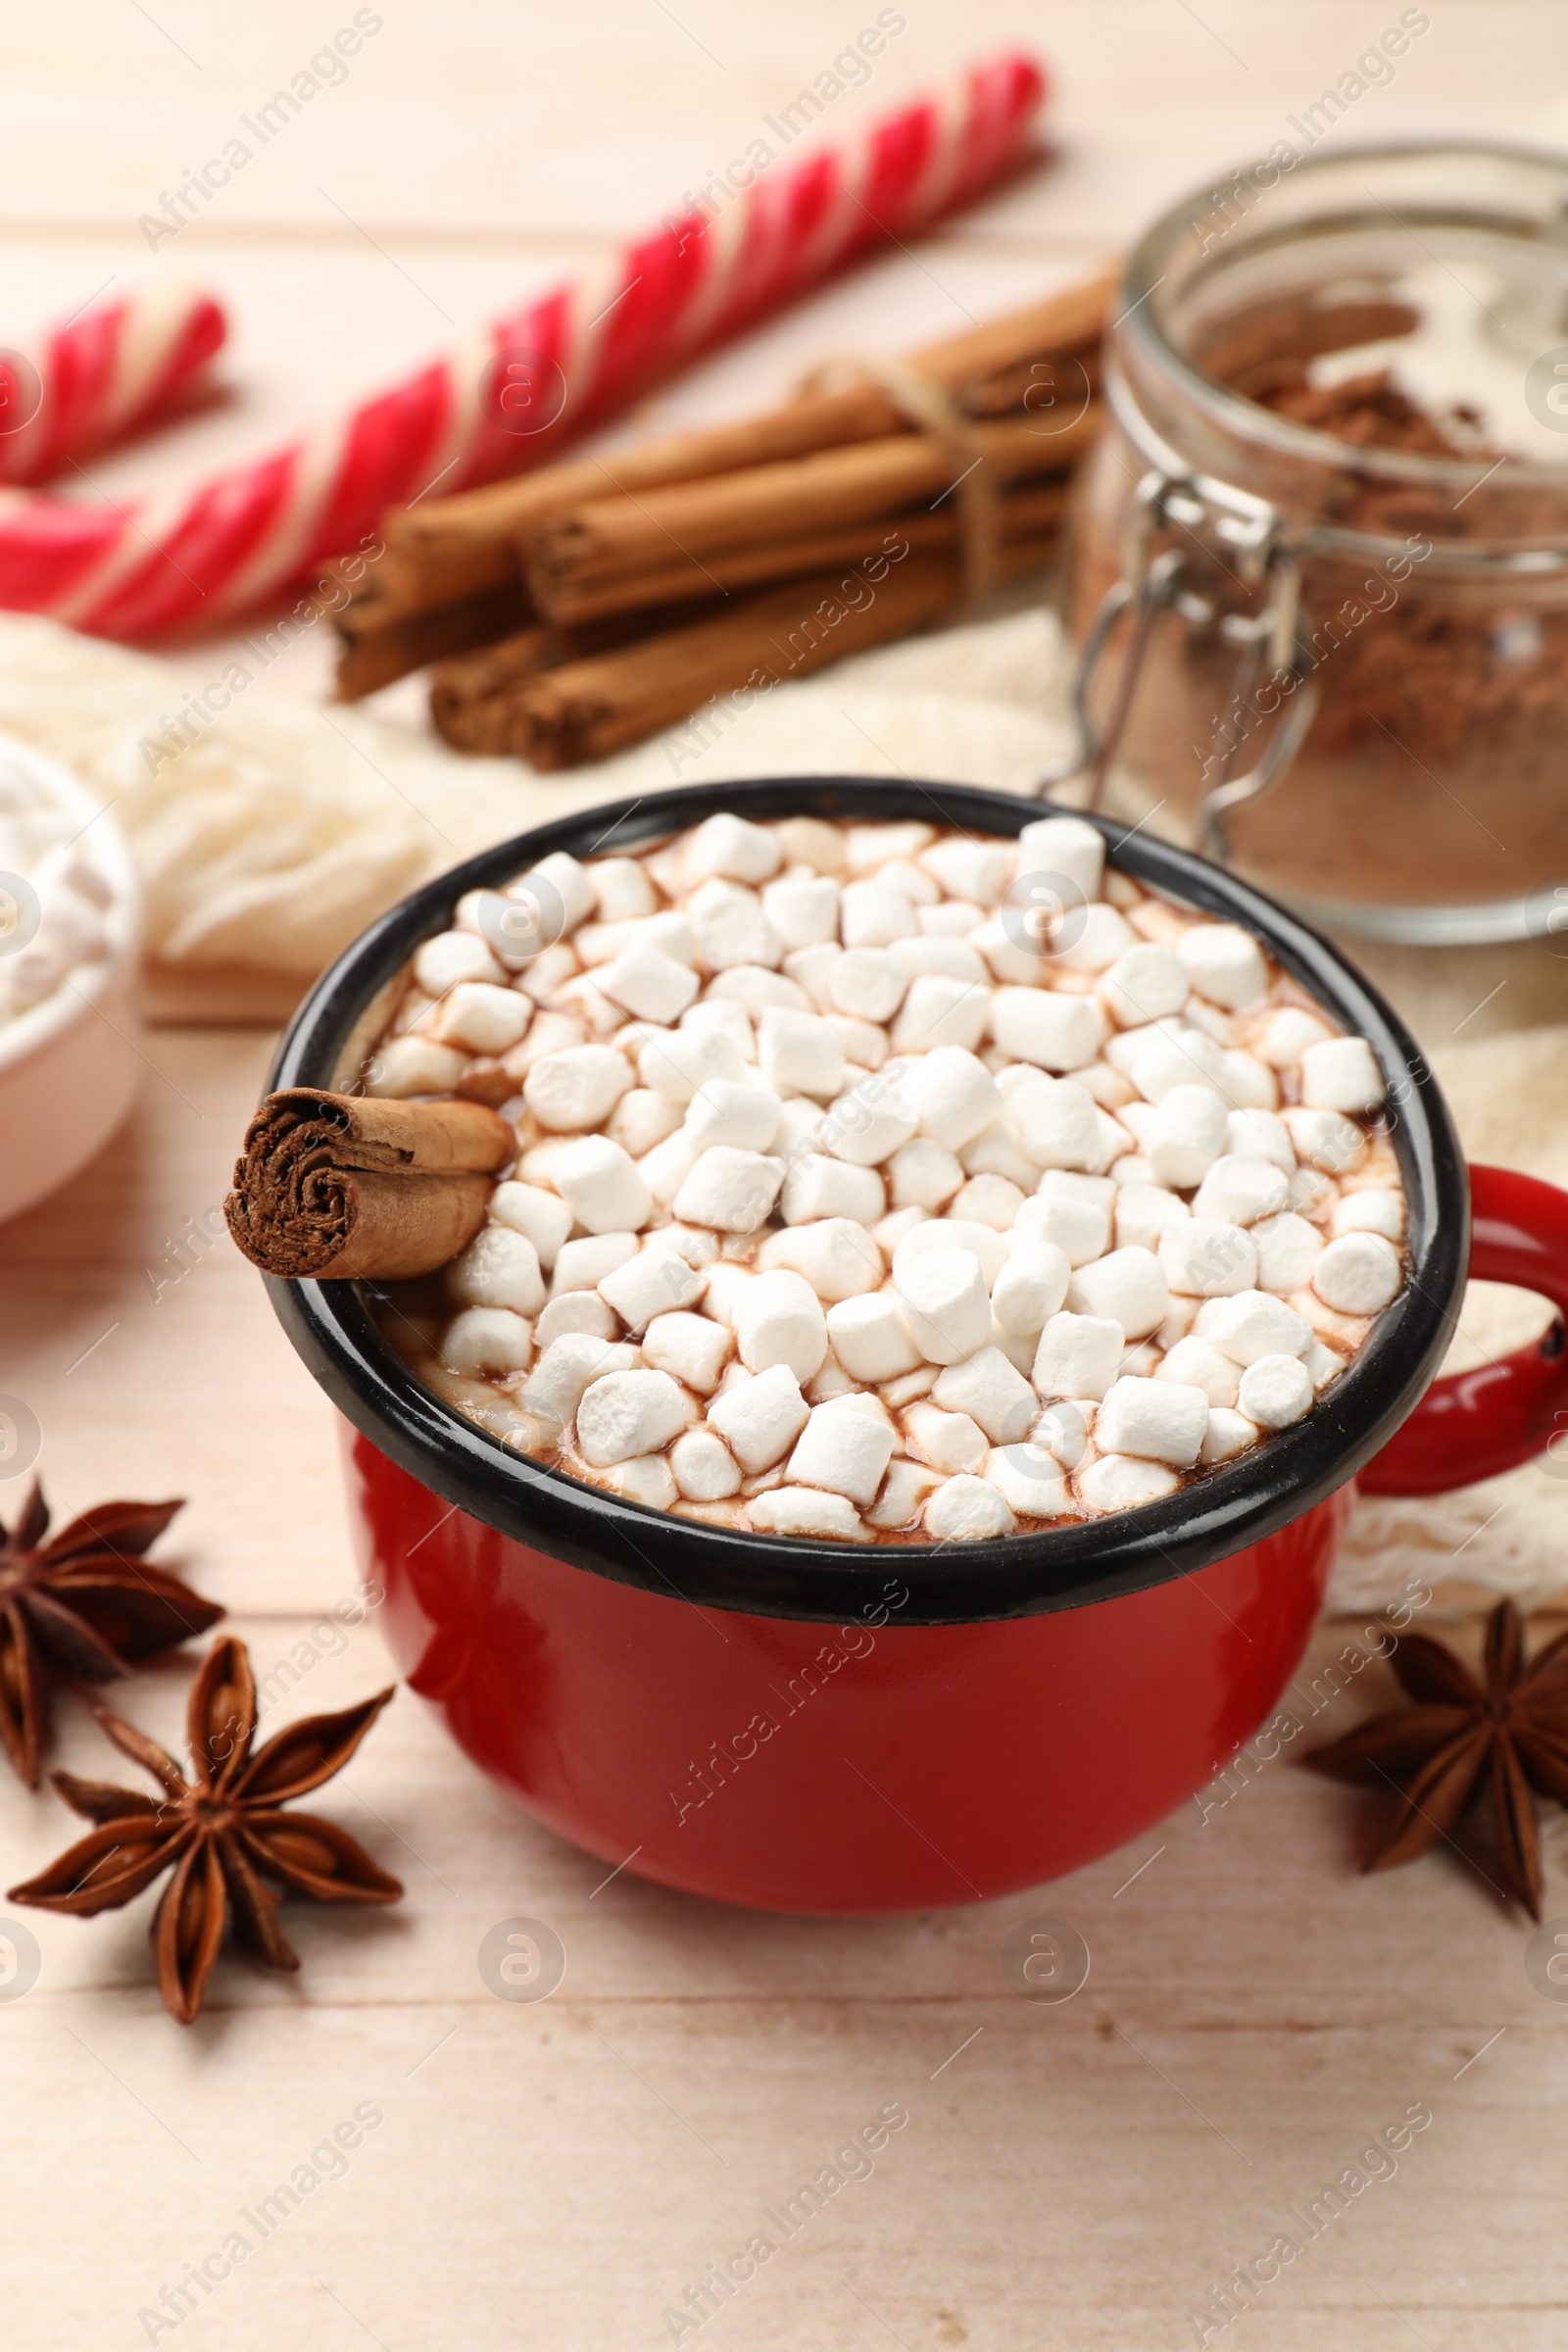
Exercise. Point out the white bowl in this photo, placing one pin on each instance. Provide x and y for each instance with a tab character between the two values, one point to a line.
69	1067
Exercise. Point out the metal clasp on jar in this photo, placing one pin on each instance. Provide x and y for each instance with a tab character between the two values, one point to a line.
1158	579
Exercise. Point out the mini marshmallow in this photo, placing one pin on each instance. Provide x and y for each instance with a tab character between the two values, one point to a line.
803	909
904	1491
1288	1248
582	1265
843	1450
543	1216
967	1510
481	1018
1145	1211
1186	1135
980	870
654	1282
1168	1057
1252	1324
818	1186
452	958
778	1320
915	885
870	914
1063	1429
1124	1482
1004	940
1089	938
1057	1032
1247	1083
1341	1074
835	1255
761	1419
868	1124
800	1052
739	1112
500	1267
991	1392
1324	1138
704	1469
1260	1135
953	1094
730	847
725	1283
650	984
729	929
1198	1364
1358	1273
806	1511
564	1372
1229	1431
1078	1355
921	1174
755	986
677	1064
1239	1191
991	1200
1031	1287
731	1191
1275	1391
1065	848
622	888
1057	1123
865	1044
1369	1212
646	1479
1029	1481
870	1335
813	842
575	1311
950	1442
941	1012
641	1119
411	1065
578	1089
1324	1364
1128	1288
628	1413
1079	1229
869	984
940	954
600	1184
1158	1420
944	1296
1287	1035
1145	983
721	1016
1225	965
488	1338
692	1349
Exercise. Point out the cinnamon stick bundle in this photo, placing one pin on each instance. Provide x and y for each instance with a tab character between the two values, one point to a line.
458	550
346	1187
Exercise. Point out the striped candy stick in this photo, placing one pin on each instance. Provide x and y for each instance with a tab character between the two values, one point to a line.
513	395
101	376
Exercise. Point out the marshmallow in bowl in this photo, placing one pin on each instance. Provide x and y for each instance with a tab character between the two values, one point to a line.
857	1201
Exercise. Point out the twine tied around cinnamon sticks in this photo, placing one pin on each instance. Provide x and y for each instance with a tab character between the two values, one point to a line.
933	408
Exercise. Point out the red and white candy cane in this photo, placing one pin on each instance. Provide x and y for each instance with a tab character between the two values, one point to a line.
102	376
511	396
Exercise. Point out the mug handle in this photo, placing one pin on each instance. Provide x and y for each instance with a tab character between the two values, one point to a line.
1472	1425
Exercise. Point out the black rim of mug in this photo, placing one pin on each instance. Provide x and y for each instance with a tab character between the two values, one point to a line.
1034	1570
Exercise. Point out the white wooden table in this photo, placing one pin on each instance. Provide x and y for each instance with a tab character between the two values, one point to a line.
557	2175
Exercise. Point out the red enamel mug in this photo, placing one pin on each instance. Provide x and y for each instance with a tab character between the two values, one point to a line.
813	1727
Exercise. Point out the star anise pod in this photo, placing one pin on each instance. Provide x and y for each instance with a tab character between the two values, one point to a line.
223	1834
1504	1735
85	1603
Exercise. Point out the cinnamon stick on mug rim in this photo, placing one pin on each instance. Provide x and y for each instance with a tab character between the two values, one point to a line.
358	1187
